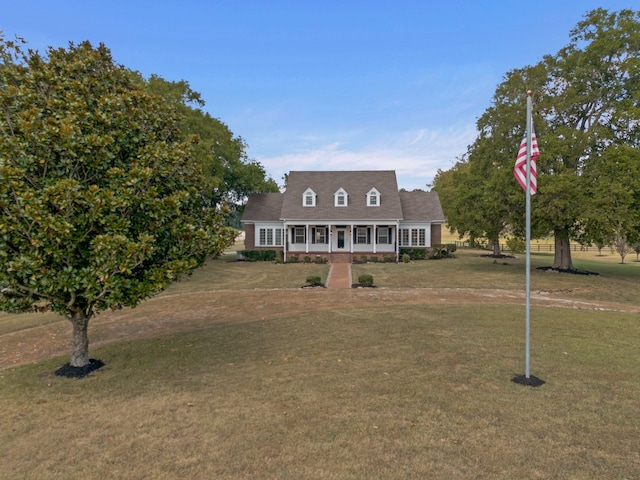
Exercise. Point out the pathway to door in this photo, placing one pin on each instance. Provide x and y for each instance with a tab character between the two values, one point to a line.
339	276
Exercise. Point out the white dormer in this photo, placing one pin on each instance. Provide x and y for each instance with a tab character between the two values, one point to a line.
309	198
373	198
340	198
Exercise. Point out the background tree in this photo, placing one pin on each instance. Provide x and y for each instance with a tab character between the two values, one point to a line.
99	196
586	100
231	175
456	201
590	103
614	211
480	197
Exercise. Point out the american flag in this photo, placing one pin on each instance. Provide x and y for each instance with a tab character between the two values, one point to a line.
520	169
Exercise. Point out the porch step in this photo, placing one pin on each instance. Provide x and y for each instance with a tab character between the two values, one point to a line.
340	257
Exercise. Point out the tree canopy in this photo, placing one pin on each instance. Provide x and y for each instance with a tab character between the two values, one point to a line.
586	100
100	189
230	174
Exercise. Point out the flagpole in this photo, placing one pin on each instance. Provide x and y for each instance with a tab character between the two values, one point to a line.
528	244
525	172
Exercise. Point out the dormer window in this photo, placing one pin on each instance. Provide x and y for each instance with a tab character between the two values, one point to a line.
309	198
340	198
373	198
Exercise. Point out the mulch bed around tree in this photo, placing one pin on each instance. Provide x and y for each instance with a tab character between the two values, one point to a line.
567	270
545	269
79	372
532	381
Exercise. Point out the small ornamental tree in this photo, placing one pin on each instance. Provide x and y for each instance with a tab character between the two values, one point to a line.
99	199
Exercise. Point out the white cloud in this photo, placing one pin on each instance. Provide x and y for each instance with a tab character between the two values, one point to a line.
414	155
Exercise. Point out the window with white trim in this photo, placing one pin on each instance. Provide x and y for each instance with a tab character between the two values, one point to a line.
404	237
309	198
319	235
340	198
373	198
384	235
299	235
270	237
362	235
413	237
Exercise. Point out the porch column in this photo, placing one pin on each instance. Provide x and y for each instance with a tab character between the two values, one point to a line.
285	242
351	240
396	242
329	239
306	238
375	236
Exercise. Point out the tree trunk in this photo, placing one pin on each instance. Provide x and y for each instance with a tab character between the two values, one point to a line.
79	340
494	246
562	256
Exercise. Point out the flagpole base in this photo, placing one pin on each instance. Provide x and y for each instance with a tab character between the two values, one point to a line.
532	381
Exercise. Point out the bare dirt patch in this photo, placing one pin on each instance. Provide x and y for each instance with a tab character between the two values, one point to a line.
167	313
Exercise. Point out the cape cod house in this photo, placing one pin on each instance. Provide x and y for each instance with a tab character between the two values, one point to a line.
342	215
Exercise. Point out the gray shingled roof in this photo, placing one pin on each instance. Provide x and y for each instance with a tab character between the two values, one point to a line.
408	206
421	207
356	183
263	207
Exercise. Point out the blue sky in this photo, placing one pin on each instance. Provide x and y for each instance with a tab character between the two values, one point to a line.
324	85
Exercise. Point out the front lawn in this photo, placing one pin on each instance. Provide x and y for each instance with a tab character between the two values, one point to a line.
232	374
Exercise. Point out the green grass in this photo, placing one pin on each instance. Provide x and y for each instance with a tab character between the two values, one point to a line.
12	323
225	273
346	386
403	392
469	269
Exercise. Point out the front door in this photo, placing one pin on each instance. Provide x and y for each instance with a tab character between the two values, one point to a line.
340	238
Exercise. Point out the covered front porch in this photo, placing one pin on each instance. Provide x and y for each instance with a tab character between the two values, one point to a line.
340	242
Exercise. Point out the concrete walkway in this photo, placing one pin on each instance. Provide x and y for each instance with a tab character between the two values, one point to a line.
339	276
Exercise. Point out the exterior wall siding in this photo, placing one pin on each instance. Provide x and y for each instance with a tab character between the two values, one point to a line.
339	235
434	236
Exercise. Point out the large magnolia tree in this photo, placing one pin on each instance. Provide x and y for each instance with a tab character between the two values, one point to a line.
100	198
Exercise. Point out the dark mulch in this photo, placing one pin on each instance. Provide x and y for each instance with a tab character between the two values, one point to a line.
567	270
359	285
79	372
499	255
532	381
